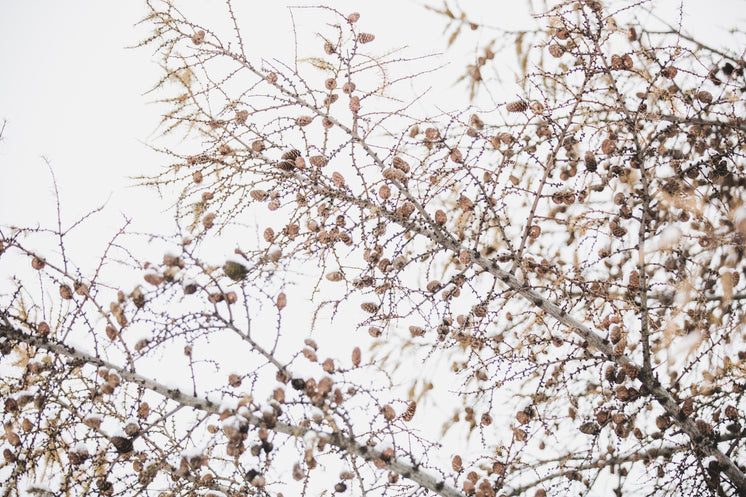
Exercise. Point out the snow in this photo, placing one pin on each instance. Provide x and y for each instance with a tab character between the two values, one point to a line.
228	404
80	448
310	438
192	453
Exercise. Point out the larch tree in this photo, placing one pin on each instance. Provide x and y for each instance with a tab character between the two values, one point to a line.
536	296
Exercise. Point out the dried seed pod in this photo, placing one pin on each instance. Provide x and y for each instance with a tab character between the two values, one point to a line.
416	331
406	209
610	373
288	160
688	407
704	96
242	116
590	428
556	50
434	286
669	72
80	288
456	156
384	192
66	292
318	160
393	173
199	37
537	107
465	203
338	179
209	220
43	329
627	61
369	307
123	445
365	37
464	257
309	354
480	311
235	270
400	164
562	33
259	195
281	301
608	146
517	106
153	279
620	346
354	104
468	487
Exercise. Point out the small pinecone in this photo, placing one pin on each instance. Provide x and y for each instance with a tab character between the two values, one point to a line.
704	96
669	72
590	162
287	162
392	173
409	413
416	331
318	160
66	292
556	50
365	37
517	106
370	307
259	195
122	444
400	164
